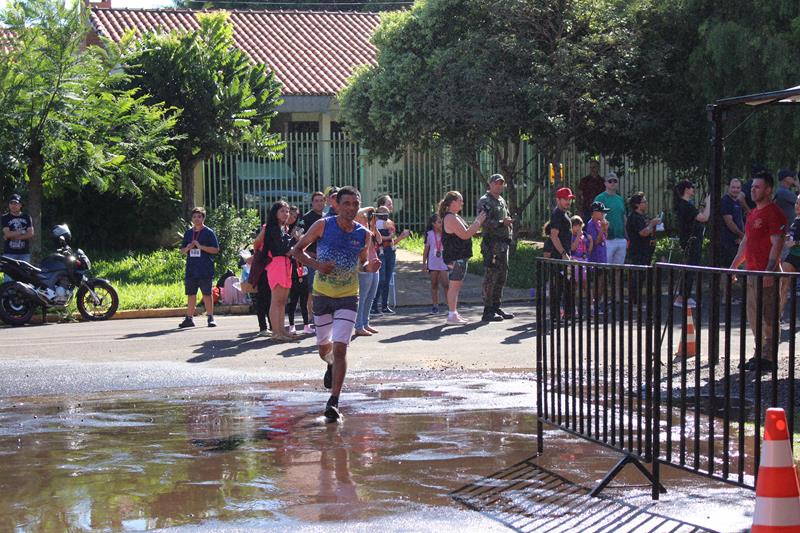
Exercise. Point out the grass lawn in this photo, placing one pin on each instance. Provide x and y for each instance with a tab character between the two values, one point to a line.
521	270
149	280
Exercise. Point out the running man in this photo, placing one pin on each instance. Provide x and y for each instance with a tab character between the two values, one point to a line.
341	250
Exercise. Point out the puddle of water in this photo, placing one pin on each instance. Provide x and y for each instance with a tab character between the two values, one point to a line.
256	459
263	458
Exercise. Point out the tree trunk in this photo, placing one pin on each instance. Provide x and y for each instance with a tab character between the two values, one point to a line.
35	170
187	184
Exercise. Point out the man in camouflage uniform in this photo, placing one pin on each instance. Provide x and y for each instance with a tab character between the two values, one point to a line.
496	233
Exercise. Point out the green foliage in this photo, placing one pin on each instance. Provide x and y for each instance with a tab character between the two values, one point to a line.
61	117
695	52
150	280
224	100
234	228
476	74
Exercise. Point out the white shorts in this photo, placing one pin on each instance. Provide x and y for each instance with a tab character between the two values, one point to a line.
334	318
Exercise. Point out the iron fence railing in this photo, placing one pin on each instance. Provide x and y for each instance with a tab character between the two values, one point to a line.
655	362
417	181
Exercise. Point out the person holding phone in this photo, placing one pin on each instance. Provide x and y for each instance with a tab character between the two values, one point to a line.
641	231
690	233
387	253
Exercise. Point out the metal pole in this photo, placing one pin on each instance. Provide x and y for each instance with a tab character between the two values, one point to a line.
716	117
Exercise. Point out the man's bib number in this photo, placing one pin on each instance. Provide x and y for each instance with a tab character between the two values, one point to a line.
194	252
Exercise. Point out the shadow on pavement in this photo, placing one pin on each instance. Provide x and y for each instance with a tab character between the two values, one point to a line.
435	333
527	497
217	348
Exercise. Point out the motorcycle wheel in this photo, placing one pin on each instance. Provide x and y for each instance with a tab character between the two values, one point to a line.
15	310
109	301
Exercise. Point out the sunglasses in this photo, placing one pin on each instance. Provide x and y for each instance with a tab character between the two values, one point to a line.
612	181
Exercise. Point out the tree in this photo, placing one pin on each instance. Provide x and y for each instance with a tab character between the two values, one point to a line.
224	99
62	121
471	75
310	5
698	51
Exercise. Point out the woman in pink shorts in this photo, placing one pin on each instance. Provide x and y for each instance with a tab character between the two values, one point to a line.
277	242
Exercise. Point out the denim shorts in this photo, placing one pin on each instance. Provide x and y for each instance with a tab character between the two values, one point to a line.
458	270
193	284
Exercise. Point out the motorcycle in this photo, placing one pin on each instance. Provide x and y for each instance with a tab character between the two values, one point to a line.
53	284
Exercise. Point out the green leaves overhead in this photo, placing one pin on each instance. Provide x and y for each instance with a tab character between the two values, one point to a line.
222	97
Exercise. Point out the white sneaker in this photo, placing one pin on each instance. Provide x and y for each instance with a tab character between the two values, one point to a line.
308	329
456	320
292	330
264	333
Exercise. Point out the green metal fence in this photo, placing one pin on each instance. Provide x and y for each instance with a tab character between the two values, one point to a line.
417	181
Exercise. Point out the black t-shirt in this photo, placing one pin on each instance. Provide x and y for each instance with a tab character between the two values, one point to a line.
640	246
308	220
559	220
688	226
16	223
730	206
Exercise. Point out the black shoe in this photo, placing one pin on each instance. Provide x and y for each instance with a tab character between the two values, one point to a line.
327	380
748	365
187	323
332	413
506	316
489	316
388	311
211	322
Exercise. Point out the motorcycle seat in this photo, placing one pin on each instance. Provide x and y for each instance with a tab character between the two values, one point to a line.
23	265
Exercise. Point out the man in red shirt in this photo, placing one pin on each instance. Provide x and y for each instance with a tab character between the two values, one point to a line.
761	248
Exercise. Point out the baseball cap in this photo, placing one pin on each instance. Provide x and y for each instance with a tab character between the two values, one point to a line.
786	173
496	177
600	206
564	192
611	176
331	190
15	198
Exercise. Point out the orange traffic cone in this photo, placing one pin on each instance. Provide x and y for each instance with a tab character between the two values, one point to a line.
690	350
777	490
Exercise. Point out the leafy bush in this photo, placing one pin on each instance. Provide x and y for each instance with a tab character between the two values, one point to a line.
234	228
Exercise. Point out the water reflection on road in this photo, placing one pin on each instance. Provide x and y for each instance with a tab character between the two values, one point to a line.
261	458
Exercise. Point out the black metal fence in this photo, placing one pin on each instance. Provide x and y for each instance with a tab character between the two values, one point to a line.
654	362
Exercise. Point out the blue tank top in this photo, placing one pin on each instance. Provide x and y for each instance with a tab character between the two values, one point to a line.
343	248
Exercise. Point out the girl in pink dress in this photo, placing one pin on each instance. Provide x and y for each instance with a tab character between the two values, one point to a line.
432	261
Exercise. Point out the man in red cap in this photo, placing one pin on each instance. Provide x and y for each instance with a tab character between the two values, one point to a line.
559	245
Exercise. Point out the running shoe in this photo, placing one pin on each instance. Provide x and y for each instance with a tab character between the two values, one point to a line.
292	330
375	312
327	379
456	320
435	310
187	323
211	322
388	311
264	333
332	413
308	329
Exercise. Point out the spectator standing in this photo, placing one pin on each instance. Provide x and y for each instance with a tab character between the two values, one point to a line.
456	249
690	233
760	249
17	232
641	231
277	243
199	246
616	243
495	242
560	243
315	213
263	292
785	197
732	230
588	189
341	250
330	201
597	229
367	281
433	262
387	253
299	291
791	263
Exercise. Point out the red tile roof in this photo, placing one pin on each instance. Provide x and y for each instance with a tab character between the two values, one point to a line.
311	52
